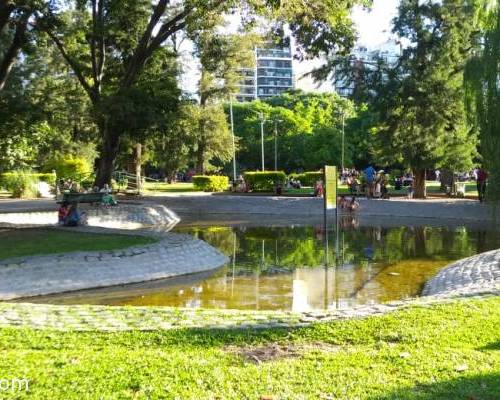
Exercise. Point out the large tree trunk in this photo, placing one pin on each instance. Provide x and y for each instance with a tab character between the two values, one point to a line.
200	159
18	41
106	165
419	189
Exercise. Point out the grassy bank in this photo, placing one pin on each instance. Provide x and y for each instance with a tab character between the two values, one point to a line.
28	242
444	352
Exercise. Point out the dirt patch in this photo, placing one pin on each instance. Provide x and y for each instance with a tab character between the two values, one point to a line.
275	351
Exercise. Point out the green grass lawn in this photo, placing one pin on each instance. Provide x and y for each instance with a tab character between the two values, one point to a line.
24	242
161	187
444	352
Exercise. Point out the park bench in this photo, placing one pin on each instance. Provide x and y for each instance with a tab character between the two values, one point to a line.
85	197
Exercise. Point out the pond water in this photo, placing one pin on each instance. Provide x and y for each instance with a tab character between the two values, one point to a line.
295	268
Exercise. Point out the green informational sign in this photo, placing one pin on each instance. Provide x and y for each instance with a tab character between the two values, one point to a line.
330	187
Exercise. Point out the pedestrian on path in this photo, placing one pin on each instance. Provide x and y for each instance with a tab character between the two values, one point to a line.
482	177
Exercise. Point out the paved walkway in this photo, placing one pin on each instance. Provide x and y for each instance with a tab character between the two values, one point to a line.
102	318
219	205
471	275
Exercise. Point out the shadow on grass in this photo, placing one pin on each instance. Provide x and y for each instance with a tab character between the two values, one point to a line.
492	346
475	387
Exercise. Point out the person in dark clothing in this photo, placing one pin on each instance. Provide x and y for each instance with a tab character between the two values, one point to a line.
482	177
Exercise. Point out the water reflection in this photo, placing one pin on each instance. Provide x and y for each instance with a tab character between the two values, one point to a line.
294	268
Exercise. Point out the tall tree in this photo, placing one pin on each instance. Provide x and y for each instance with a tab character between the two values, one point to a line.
14	18
483	95
420	99
108	43
220	58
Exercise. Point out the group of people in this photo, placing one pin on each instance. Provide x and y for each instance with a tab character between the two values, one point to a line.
69	215
345	203
376	183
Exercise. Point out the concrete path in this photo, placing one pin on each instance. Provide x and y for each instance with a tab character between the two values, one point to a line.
201	205
309	207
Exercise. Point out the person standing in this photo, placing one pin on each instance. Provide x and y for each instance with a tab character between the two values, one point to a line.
482	177
369	173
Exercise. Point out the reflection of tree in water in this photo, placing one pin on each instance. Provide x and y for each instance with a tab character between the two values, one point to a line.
277	249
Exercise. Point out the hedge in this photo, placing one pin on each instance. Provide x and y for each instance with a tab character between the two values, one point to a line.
308	178
21	184
69	167
264	181
6	177
211	183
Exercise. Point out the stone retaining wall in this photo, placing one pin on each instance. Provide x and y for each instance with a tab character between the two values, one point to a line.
476	274
173	255
118	217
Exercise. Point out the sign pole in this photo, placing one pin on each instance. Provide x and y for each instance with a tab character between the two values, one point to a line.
330	194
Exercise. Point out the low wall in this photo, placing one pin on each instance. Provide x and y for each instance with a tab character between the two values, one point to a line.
117	217
173	254
476	274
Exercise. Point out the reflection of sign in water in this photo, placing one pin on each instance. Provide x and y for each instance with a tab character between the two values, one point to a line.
330	187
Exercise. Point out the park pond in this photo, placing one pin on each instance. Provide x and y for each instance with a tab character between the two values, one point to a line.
293	267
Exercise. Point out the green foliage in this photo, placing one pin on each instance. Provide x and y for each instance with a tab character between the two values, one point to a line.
483	97
308	127
420	99
211	183
264	181
69	167
22	184
308	178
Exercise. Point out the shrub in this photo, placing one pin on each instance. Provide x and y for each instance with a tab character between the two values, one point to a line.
308	178
21	184
264	181
211	183
69	167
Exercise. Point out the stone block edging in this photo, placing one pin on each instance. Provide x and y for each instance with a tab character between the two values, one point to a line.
173	255
469	275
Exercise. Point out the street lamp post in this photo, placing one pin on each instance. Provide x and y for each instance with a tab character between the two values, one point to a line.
262	120
276	122
343	136
232	133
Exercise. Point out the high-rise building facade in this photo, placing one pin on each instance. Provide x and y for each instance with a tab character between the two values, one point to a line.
363	58
271	76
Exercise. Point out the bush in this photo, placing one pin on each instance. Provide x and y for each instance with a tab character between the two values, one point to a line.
264	181
21	184
308	178
211	183
69	167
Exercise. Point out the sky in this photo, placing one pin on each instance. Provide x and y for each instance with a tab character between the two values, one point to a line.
373	27
374	30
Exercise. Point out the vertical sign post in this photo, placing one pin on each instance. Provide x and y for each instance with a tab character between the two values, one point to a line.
330	196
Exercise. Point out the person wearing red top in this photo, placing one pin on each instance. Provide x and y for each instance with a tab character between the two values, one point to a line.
482	177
